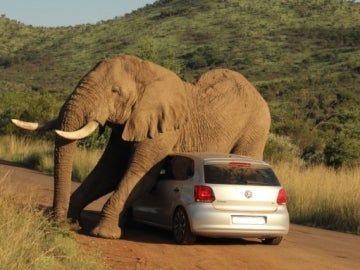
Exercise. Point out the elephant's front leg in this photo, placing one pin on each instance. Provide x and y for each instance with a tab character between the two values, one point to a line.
104	178
146	155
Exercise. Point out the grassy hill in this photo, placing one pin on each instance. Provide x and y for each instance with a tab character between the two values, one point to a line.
303	56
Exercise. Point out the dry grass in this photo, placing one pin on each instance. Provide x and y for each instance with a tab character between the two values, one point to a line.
38	155
33	154
84	161
28	240
322	197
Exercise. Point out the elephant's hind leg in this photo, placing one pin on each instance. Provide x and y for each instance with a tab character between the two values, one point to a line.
251	145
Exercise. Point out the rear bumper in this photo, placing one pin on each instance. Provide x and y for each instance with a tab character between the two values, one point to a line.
207	221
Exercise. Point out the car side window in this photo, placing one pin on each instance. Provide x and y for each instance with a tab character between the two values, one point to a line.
177	168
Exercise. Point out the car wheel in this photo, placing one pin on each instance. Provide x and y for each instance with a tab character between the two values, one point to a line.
272	241
181	228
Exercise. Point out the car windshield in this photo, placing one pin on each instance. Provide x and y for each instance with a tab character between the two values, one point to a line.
243	174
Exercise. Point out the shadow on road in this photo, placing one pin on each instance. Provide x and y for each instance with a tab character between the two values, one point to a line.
11	163
137	232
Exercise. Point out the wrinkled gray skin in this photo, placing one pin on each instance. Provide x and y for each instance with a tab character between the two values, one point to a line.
152	113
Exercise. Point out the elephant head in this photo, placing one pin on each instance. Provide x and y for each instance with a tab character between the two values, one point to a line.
141	97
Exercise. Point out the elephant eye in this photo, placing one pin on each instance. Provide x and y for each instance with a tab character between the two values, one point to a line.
116	90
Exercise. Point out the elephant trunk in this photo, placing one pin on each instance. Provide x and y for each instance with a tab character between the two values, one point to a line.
72	116
63	158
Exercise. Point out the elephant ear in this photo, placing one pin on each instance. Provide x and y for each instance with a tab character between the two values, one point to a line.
162	108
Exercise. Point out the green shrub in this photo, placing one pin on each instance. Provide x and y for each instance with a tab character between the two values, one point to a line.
280	148
342	151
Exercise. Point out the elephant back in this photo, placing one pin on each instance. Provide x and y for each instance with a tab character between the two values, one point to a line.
223	86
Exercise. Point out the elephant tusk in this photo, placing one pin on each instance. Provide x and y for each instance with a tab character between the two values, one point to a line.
33	125
85	131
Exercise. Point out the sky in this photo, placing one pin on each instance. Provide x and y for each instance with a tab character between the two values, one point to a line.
52	13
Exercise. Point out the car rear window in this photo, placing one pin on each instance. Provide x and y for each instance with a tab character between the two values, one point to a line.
240	174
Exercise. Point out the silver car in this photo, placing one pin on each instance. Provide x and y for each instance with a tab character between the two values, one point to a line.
215	195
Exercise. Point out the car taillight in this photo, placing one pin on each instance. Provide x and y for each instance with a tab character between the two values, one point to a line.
203	194
281	198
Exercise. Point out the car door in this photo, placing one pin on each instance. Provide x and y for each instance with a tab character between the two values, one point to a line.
157	206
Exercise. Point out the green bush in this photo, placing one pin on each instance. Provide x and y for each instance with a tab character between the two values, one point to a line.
7	61
342	151
205	56
279	148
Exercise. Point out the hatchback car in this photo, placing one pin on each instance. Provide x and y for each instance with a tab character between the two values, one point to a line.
215	195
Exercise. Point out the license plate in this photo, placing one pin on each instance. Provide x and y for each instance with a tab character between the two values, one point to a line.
248	220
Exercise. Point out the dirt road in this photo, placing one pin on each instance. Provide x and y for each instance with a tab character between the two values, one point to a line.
148	248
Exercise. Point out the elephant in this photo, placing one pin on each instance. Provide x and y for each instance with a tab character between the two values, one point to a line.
152	112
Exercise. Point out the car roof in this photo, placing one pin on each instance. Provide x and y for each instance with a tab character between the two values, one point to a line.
219	157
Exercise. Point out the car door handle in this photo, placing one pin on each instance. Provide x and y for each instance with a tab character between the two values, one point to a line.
176	189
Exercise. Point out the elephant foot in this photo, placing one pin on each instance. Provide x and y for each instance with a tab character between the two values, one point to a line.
106	230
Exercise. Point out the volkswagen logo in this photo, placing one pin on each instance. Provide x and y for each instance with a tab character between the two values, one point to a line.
248	194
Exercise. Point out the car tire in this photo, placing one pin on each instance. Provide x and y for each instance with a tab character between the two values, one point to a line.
272	241
181	228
